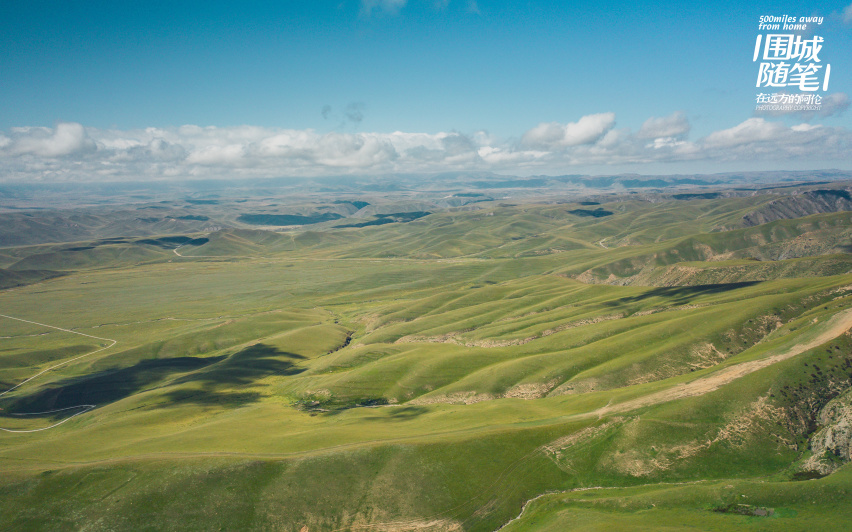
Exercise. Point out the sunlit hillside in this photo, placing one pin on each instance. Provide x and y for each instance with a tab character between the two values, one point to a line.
617	362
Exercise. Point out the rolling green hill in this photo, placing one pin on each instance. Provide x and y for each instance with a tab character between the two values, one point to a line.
521	364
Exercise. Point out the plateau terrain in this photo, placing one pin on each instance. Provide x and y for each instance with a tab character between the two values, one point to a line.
454	353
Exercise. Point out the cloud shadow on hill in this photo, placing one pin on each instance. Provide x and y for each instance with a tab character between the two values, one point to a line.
107	386
217	376
399	413
241	369
680	295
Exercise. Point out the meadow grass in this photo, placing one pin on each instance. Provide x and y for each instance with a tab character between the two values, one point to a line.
438	373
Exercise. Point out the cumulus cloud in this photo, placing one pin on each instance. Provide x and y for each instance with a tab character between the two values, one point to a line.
66	138
229	155
72	152
338	150
675	125
753	130
759	139
847	14
555	135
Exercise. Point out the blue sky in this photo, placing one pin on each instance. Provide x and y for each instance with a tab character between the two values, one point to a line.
105	90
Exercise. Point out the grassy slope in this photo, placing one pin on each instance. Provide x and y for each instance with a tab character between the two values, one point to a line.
233	382
813	505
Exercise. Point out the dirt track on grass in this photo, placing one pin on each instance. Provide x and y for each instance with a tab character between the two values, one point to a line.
82	408
839	324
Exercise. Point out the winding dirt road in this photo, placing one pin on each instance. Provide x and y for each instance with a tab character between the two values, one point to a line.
83	408
838	324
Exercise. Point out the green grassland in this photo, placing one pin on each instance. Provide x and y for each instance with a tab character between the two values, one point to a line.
442	373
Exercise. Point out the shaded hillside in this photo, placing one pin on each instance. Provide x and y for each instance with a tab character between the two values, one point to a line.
29	228
800	205
11	279
662	263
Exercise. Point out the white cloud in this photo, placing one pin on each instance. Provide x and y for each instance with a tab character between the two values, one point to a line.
667	142
230	155
847	14
165	151
758	139
66	138
751	131
674	125
352	151
72	152
555	135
